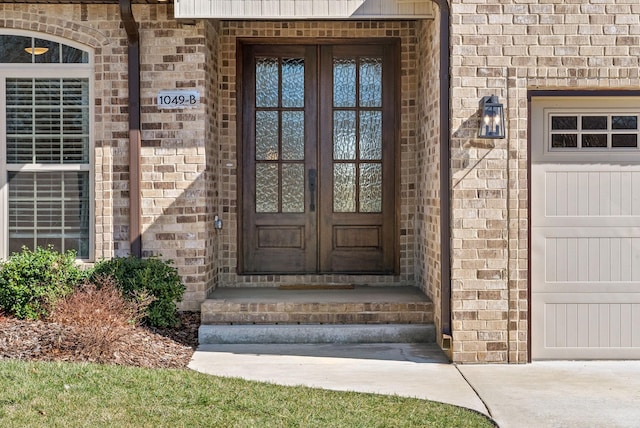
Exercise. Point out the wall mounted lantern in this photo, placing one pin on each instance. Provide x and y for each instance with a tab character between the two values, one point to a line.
492	121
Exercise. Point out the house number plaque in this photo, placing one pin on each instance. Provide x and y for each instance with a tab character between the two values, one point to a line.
178	99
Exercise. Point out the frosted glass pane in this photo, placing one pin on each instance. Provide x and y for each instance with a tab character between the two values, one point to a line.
293	82
371	82
344	82
344	187
266	135
293	135
292	188
344	134
370	187
267	184
267	82
371	135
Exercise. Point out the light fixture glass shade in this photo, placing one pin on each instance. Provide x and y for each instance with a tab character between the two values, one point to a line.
36	51
492	120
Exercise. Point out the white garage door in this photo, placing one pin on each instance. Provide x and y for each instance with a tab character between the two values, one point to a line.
585	228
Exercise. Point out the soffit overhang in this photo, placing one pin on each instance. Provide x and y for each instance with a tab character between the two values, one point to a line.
83	1
303	9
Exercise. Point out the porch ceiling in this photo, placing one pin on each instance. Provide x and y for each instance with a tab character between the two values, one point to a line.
304	9
84	1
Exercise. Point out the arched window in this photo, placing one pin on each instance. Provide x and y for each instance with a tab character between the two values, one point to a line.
45	147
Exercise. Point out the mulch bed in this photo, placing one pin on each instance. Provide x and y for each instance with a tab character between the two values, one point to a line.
141	347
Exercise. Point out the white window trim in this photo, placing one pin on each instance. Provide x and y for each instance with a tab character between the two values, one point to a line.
40	70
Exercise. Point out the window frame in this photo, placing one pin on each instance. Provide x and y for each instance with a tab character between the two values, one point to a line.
43	71
571	104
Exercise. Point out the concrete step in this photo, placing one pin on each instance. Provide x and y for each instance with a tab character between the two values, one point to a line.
316	333
360	314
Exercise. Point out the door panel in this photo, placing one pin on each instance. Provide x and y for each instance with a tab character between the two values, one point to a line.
279	153
318	159
357	159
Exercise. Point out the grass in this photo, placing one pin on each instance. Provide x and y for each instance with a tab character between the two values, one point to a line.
75	395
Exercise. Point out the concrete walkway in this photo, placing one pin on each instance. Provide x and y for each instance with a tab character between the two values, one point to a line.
542	394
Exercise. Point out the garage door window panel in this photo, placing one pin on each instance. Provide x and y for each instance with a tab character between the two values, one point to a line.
590	132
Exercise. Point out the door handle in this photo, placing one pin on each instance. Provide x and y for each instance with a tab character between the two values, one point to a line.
312	189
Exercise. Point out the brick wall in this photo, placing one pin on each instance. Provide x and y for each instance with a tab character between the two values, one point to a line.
175	186
188	158
428	254
504	47
507	48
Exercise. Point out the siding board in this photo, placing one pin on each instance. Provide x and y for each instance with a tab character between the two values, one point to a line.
304	9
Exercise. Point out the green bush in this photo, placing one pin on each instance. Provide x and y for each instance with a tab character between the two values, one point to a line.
152	276
30	281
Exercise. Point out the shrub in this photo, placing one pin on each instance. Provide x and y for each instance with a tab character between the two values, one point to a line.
30	281
99	317
152	276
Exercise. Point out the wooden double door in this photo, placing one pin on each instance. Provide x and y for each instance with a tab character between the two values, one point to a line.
318	158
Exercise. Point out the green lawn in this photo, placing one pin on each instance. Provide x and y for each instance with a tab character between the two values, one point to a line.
72	395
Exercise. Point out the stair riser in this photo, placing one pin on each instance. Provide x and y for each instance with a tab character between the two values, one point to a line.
294	334
221	312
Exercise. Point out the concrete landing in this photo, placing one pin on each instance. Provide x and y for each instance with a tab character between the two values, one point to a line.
358	294
549	394
409	370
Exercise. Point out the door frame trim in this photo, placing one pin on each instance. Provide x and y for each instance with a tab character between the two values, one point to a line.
241	43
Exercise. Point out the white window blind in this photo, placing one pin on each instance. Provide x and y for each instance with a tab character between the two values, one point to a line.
47	151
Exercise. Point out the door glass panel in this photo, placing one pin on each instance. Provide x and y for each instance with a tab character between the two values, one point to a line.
267	82
344	187
293	135
370	82
266	135
292	188
344	82
279	134
371	135
370	187
293	82
267	184
344	134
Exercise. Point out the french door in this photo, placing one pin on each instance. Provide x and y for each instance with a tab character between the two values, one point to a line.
318	159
